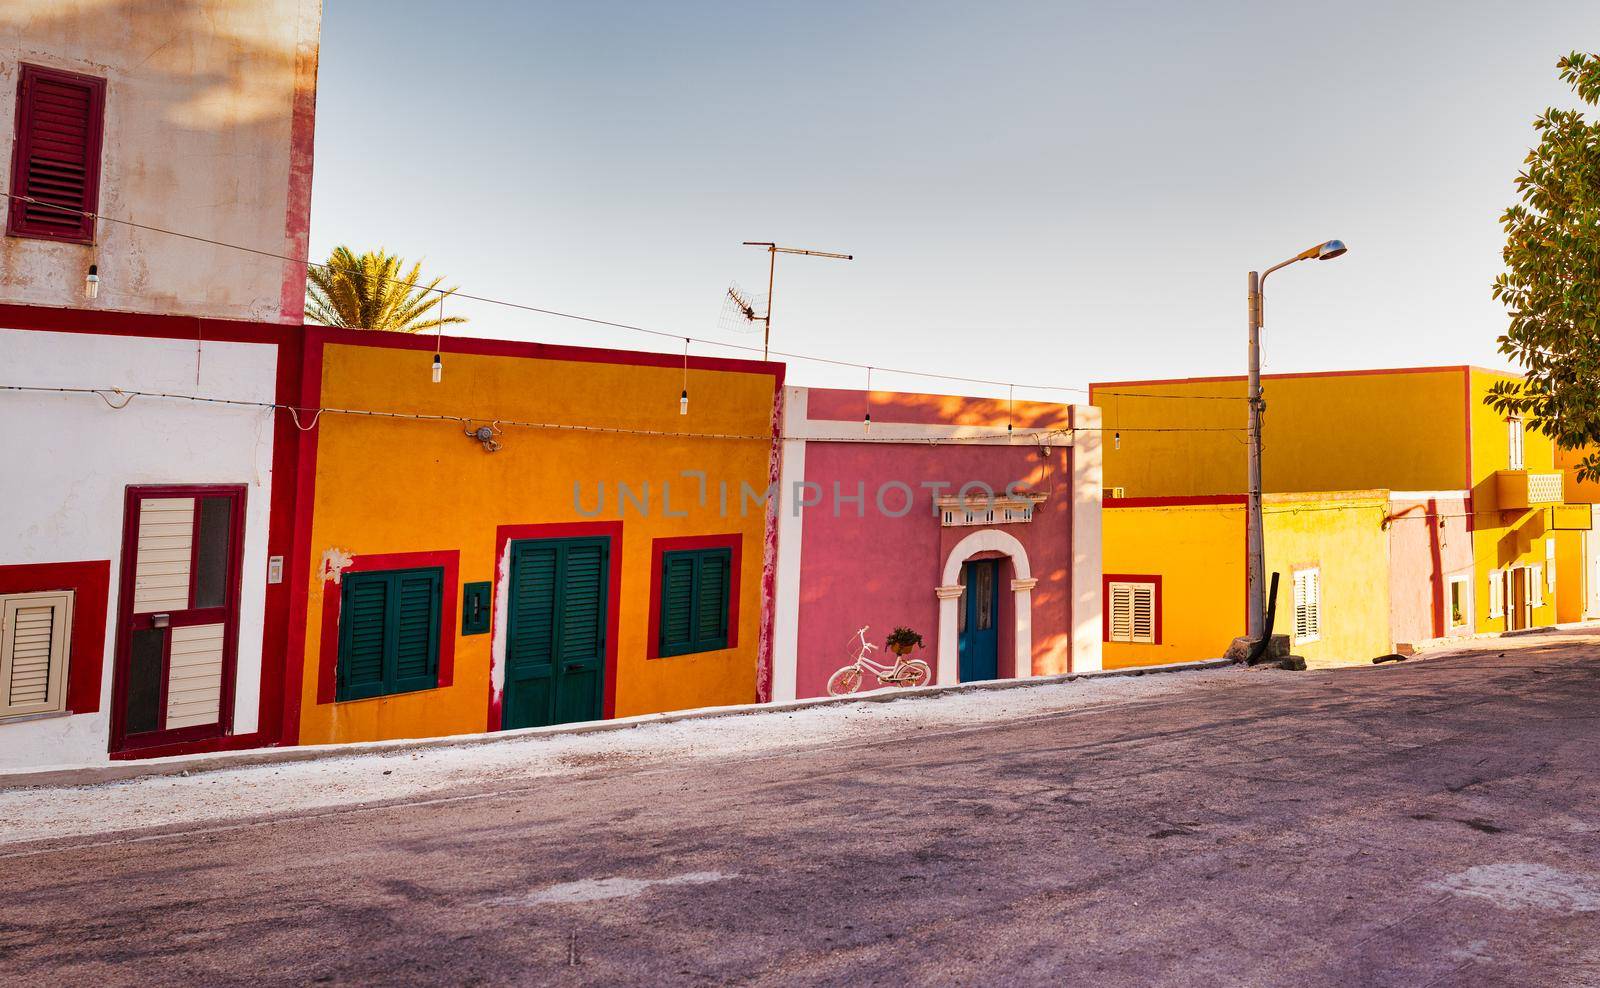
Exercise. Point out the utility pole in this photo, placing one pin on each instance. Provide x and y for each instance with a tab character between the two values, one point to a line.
773	250
1255	578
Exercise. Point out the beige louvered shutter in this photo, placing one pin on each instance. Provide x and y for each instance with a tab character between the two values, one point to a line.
35	629
1144	614
1307	605
1121	605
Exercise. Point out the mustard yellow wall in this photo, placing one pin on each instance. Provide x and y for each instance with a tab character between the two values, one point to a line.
1491	442
1570	591
1576	491
1385	429
388	486
1198	551
1342	537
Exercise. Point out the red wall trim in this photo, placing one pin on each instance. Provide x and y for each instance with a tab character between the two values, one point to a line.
733	541
302	146
327	335
1173	501
506	534
105	322
91	579
1240	378
1105	596
332	596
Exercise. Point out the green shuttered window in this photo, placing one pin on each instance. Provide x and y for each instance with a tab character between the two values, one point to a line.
694	600
389	632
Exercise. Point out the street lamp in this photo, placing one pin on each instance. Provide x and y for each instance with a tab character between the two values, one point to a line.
1255	565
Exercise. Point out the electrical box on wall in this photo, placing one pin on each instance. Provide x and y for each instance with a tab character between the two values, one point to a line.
475	608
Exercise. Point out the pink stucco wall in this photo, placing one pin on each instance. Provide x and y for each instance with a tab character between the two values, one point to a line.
1429	541
871	569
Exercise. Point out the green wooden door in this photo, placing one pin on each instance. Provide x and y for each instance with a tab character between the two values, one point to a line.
556	632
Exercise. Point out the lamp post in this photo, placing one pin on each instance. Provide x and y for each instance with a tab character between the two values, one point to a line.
1255	564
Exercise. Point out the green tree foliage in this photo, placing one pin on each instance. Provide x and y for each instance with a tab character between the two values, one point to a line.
373	291
1551	285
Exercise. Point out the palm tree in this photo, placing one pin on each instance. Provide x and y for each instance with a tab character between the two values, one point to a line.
369	291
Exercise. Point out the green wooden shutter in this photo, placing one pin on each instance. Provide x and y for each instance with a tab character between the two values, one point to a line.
711	600
694	600
417	600
362	630
677	603
583	600
389	632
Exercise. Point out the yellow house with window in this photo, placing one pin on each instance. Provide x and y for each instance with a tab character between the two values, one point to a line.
1348	456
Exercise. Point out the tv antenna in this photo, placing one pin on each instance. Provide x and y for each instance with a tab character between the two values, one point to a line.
739	309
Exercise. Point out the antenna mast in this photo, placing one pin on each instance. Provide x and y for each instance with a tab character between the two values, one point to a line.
773	250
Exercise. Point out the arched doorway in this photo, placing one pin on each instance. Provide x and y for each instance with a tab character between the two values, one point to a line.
988	542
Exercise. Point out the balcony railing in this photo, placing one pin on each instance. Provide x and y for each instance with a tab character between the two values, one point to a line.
1517	489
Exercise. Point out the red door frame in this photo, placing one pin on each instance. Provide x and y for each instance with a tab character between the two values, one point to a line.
227	615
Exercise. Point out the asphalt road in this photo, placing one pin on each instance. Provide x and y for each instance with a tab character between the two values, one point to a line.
1427	824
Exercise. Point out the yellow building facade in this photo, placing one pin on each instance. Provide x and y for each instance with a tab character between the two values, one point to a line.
576	548
1412	435
1191	551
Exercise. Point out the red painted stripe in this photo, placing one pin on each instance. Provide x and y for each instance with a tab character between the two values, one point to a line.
1227	378
1172	501
302	146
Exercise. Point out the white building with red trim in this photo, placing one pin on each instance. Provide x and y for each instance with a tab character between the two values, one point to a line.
136	546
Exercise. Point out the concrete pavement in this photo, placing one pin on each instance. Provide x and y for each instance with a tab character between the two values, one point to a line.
1425	823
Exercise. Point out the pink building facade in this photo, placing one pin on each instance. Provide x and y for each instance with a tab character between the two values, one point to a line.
937	516
1430	563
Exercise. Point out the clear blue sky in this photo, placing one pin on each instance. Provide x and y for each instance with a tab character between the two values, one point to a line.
1035	191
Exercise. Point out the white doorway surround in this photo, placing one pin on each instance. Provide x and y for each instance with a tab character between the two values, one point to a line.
947	667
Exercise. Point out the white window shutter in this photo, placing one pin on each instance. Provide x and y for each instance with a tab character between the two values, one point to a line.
1307	605
35	632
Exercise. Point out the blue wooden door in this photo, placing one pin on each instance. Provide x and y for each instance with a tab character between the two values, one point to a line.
979	621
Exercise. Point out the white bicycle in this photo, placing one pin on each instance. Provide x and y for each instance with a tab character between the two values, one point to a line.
904	672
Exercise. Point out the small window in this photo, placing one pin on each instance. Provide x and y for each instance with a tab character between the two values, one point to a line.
35	633
1536	586
56	156
1497	593
694	600
389	632
1132	612
1550	565
1460	602
1307	606
1514	441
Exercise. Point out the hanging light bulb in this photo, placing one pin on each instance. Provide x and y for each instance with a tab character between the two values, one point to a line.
683	399
1116	441
438	369
866	423
91	283
683	402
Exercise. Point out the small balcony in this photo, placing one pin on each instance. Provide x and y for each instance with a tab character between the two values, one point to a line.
1516	490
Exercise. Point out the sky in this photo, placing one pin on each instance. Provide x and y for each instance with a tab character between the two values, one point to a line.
1040	193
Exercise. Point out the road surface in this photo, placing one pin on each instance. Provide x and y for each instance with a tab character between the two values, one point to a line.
1431	823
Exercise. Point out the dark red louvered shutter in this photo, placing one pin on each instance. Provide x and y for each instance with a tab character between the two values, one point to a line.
56	160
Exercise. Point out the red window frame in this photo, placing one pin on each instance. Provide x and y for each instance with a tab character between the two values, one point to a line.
732	541
17	224
1106	579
